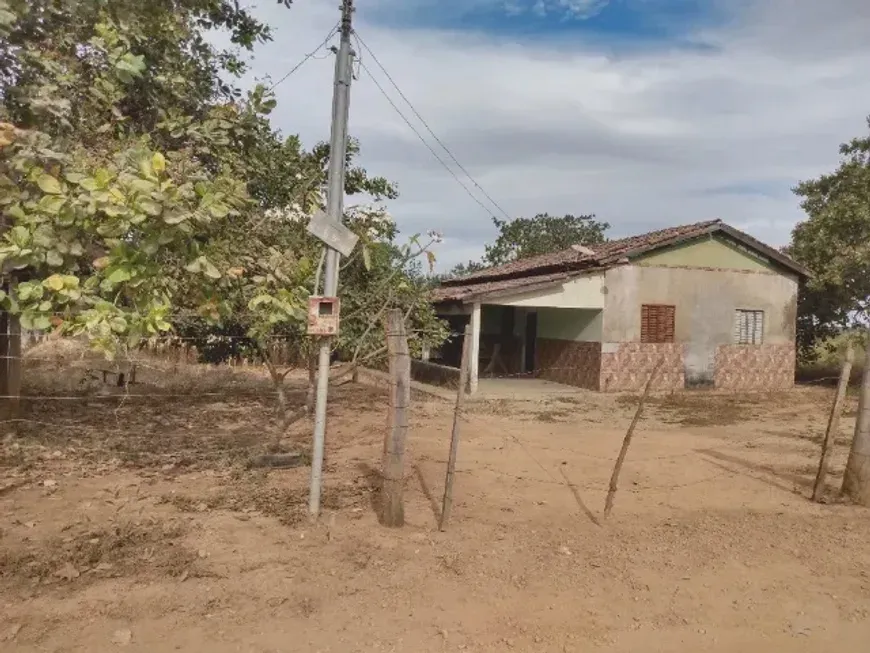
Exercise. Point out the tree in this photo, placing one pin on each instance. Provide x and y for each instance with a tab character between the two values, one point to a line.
142	191
463	269
114	119
834	243
118	158
524	237
262	300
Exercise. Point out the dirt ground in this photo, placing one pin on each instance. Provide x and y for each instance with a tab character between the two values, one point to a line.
132	522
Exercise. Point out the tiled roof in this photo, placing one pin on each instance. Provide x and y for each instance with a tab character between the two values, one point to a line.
571	259
551	267
467	291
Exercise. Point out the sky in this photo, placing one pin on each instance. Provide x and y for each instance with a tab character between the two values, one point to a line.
646	113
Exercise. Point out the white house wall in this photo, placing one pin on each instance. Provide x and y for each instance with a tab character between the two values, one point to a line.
580	292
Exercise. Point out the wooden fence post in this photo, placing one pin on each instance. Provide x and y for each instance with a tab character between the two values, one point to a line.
10	371
617	468
856	478
447	503
392	493
834	422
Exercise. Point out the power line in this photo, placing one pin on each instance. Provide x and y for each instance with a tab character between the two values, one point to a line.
307	57
428	128
425	142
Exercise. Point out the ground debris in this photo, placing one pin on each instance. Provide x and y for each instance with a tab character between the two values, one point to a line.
11	632
122	637
67	572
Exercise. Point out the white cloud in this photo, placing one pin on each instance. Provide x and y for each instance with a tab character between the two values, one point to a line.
644	139
573	8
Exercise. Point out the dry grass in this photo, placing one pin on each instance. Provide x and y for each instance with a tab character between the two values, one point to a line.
67	367
87	554
551	416
253	494
179	414
700	408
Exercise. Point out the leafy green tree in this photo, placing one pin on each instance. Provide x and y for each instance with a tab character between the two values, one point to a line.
142	190
834	244
544	233
463	269
115	163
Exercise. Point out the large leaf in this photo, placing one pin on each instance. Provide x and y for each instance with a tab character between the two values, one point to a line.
158	163
55	282
49	184
119	275
150	207
210	270
52	203
53	258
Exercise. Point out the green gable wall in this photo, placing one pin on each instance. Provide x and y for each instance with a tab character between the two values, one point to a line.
713	252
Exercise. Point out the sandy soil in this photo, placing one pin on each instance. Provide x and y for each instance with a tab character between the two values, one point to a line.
134	524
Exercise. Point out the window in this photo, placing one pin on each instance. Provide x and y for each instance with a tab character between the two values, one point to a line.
748	327
657	323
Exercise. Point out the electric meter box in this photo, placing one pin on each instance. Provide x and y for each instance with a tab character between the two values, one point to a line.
323	316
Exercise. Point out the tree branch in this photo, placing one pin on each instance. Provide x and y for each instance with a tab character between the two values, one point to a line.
398	268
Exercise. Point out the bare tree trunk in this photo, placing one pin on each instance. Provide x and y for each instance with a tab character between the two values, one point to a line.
278	384
834	422
392	492
617	468
856	480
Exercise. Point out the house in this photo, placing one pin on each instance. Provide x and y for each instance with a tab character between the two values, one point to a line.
714	305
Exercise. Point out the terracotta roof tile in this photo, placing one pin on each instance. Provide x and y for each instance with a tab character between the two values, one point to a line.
568	259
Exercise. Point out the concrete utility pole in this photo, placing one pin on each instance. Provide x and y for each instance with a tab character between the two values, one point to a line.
334	212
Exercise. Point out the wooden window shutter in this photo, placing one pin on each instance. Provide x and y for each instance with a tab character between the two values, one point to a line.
657	323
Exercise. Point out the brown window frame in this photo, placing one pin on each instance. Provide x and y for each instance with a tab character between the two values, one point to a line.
657	323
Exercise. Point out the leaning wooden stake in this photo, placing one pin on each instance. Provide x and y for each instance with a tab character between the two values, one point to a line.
392	499
834	422
447	503
617	468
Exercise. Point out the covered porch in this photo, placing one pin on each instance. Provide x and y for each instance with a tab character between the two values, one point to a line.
525	388
547	331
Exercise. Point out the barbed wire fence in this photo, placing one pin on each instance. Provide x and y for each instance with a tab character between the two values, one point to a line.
70	397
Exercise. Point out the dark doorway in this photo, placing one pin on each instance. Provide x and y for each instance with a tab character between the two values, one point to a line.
531	338
451	349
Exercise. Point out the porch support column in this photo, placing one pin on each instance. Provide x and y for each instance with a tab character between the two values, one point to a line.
474	350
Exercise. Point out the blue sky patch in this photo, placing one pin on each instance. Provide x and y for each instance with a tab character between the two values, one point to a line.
615	22
762	188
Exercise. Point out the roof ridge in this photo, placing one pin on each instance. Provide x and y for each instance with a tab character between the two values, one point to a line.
567	255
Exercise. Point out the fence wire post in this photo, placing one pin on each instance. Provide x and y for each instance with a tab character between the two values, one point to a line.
856	478
447	503
392	491
10	349
834	422
617	468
